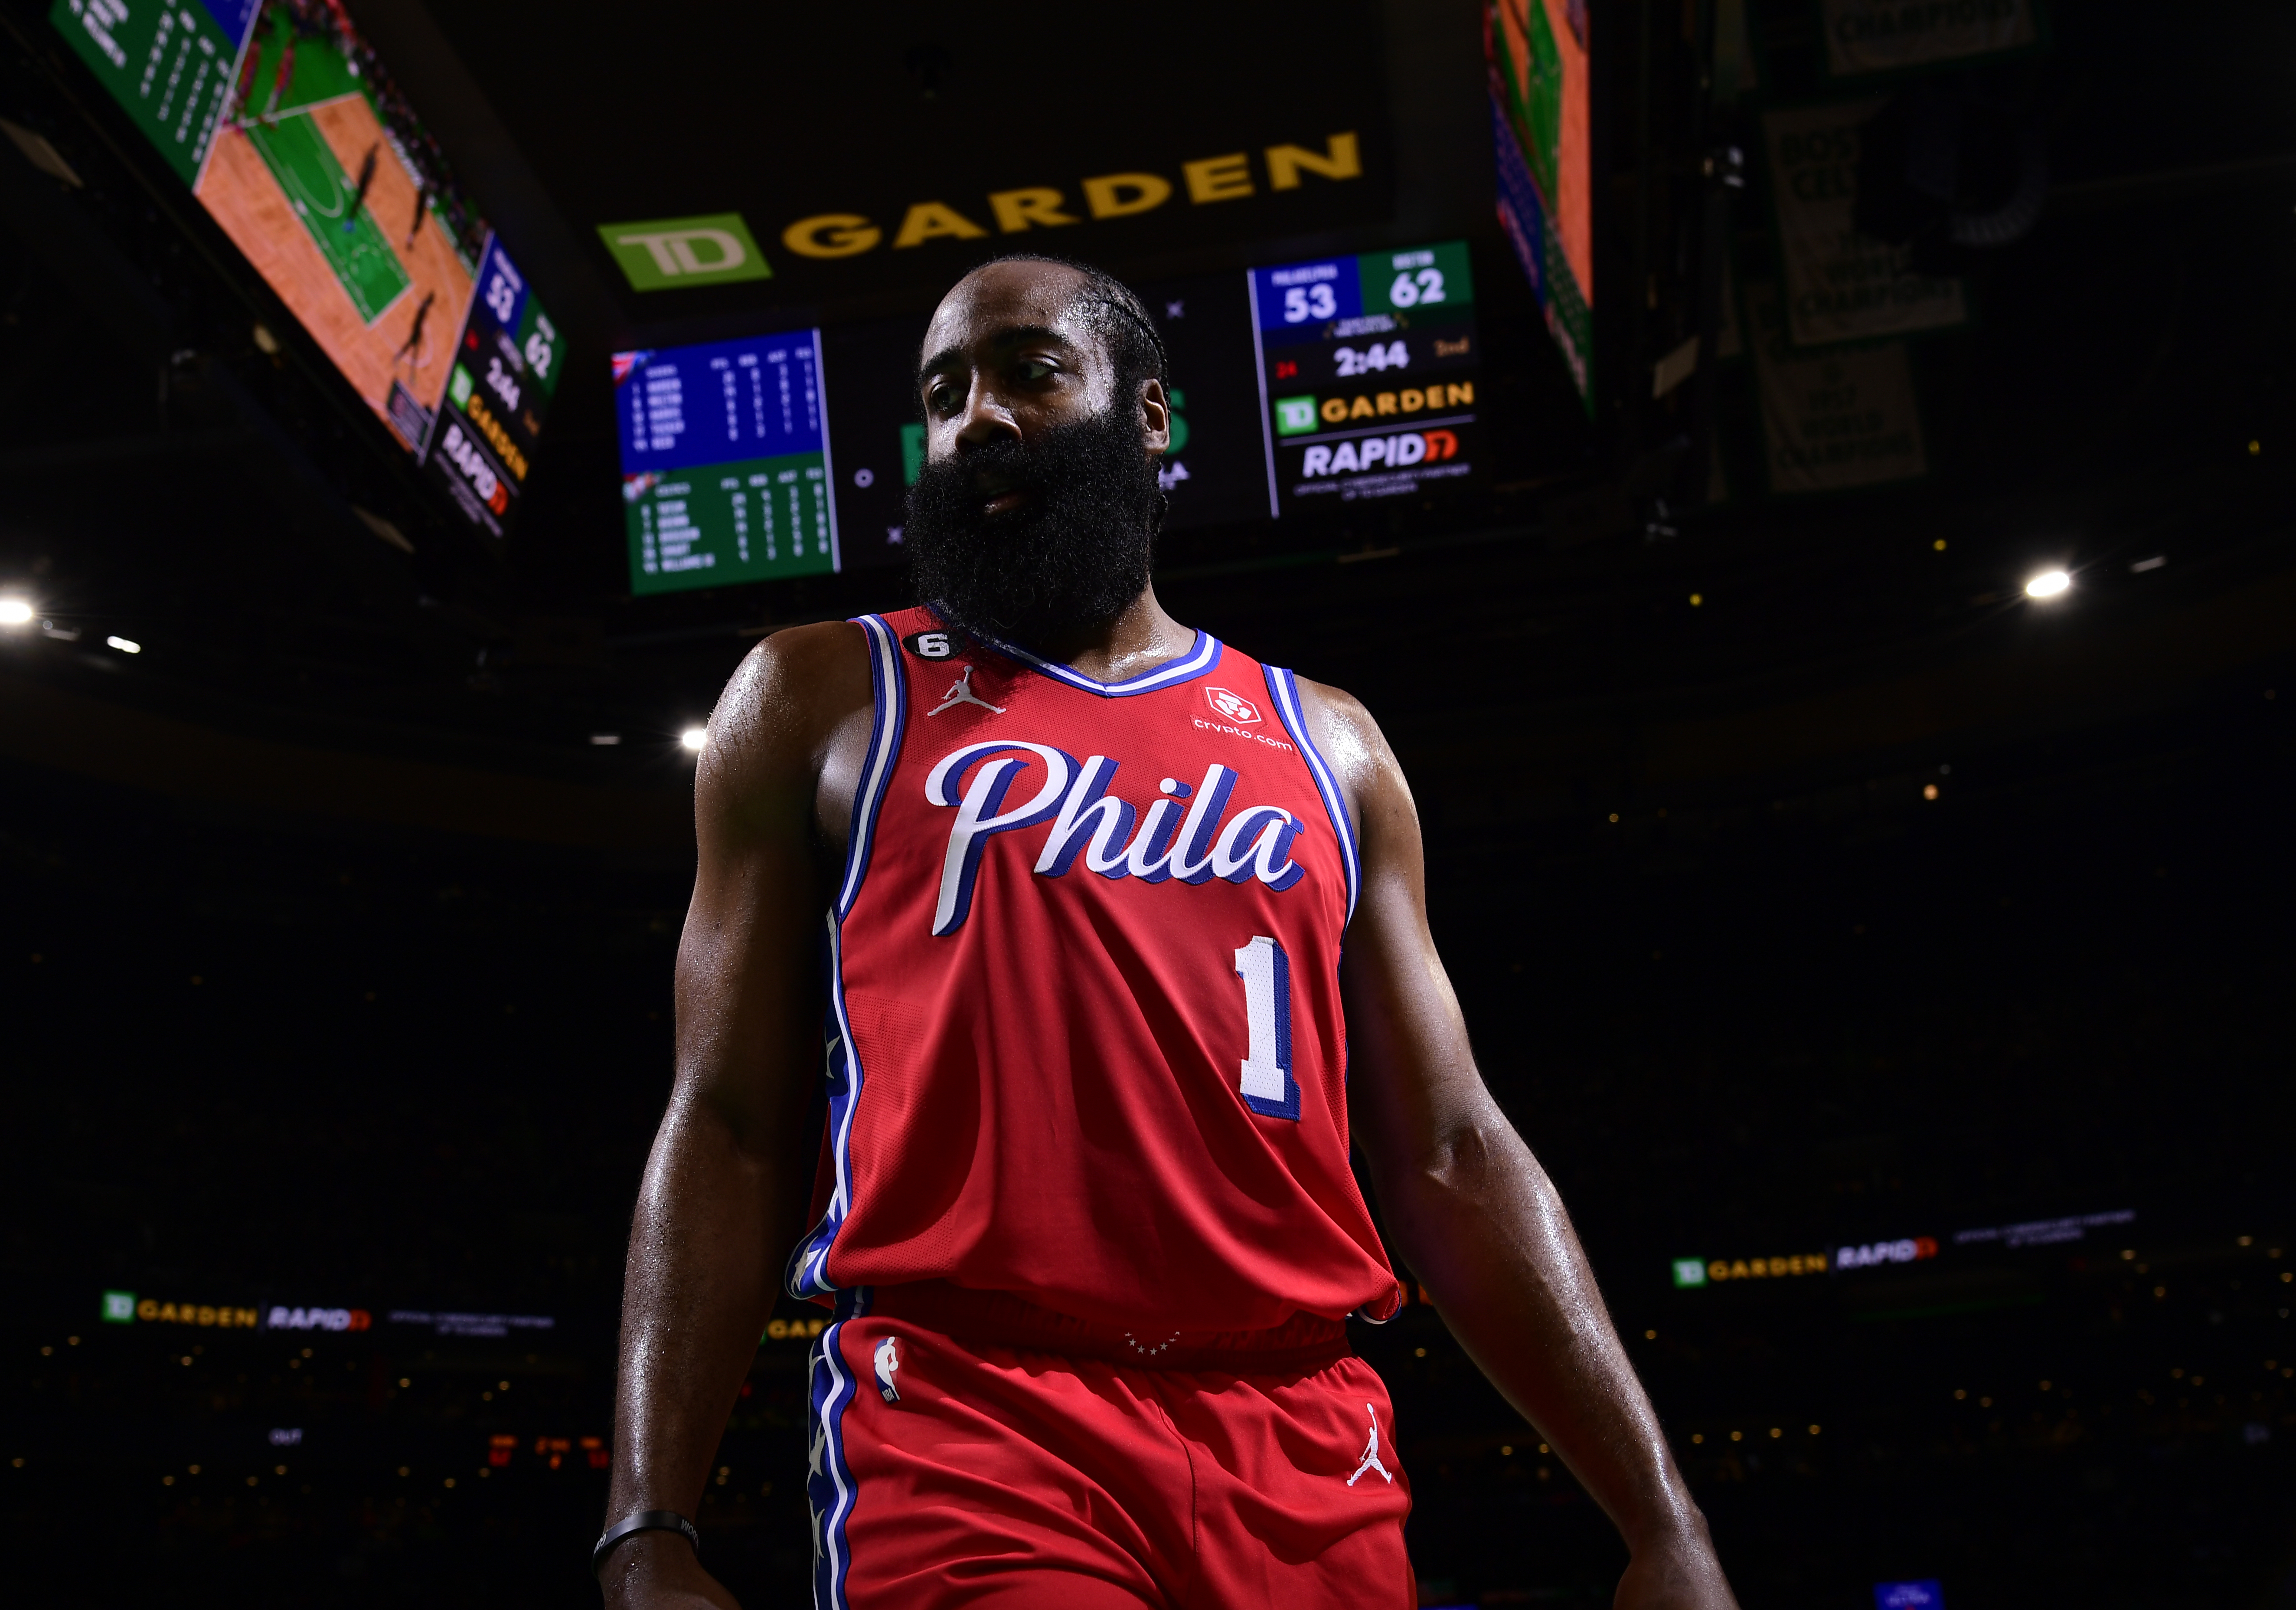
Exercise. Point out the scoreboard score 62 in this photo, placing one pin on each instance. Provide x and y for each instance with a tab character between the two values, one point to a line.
1367	369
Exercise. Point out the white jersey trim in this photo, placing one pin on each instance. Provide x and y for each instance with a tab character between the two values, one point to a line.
1285	690
1199	660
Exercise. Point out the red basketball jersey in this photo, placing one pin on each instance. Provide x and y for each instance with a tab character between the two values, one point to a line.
1086	1041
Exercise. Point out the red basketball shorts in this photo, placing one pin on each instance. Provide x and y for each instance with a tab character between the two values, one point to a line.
978	1473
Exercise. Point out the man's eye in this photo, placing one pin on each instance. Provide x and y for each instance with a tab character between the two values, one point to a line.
1032	368
941	399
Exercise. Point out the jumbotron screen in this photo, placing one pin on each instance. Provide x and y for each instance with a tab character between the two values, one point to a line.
289	133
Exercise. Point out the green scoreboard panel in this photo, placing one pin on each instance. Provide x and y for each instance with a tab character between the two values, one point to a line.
726	463
170	62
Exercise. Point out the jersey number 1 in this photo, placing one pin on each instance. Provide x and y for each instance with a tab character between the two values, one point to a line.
1269	1087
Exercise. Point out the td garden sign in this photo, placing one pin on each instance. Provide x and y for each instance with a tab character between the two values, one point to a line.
669	254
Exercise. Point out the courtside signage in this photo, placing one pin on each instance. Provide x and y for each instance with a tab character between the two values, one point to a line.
123	1308
673	254
1690	1272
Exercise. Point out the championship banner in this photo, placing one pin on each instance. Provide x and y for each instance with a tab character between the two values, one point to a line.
1832	421
1841	285
1883	35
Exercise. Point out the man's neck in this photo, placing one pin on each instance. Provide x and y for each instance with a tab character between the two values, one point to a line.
1140	638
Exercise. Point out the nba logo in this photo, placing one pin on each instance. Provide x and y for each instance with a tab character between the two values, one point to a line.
1234	707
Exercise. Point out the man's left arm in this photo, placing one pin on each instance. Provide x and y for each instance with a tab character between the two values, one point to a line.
1470	1209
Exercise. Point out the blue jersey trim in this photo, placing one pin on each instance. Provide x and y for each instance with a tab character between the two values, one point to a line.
1285	692
889	716
831	1488
806	1275
1201	660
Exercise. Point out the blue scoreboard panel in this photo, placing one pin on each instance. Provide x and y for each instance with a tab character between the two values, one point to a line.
725	462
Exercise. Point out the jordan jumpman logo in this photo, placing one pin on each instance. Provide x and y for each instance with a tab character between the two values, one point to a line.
959	692
1371	1454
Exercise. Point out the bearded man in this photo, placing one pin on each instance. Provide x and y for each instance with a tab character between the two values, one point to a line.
1064	884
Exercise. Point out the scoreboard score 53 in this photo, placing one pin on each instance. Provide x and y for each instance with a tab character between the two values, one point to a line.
1367	371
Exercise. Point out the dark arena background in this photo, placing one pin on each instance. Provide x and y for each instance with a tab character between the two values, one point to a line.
1839	617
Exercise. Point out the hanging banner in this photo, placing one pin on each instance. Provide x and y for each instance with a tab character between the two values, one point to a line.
1734	72
1841	285
1880	35
1832	421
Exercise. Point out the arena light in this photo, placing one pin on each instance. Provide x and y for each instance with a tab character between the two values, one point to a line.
16	612
2048	584
694	738
125	646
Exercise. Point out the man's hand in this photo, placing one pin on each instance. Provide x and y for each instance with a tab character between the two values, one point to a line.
1678	1572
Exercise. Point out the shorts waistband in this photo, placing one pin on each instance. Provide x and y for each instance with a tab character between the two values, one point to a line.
1304	1342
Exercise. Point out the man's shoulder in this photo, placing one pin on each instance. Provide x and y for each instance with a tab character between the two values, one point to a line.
796	686
797	657
1349	739
1334	704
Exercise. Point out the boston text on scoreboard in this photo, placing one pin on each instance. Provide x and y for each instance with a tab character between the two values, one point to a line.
725	462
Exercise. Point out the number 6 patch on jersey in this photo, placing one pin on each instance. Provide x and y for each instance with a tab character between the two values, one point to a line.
1269	1087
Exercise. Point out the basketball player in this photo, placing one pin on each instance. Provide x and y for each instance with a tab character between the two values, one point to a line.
1120	938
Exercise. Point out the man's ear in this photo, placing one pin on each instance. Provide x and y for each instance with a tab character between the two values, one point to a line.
1155	418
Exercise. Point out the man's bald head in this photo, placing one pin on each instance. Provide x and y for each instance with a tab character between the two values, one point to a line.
1023	288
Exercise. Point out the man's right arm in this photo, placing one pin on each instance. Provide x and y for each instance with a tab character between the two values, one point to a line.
724	1191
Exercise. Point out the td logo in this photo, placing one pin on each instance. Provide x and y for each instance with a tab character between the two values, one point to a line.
668	253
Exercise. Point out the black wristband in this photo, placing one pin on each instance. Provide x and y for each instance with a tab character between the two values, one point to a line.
644	1520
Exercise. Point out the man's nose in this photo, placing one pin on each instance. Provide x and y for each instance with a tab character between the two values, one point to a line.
986	418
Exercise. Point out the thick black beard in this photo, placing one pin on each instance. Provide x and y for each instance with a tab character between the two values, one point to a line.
1069	559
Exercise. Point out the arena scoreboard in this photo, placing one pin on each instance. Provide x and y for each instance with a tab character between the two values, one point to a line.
726	463
283	122
1297	392
505	368
1367	367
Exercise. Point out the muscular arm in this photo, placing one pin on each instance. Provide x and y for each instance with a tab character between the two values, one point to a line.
1470	1210
724	1189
